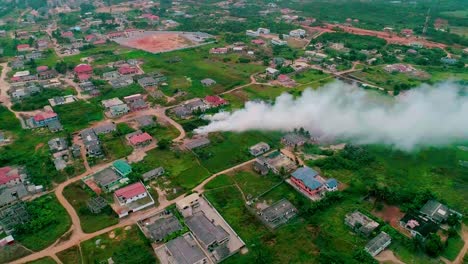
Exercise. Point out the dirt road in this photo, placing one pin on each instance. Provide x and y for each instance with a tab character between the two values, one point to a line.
388	256
461	255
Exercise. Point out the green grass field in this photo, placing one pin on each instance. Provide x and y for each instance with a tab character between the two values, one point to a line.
46	260
116	147
78	197
88	113
71	255
183	169
128	245
228	149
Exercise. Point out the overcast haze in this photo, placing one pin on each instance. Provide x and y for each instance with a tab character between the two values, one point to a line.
427	115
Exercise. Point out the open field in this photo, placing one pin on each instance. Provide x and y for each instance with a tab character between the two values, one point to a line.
46	260
228	149
156	41
72	121
90	222
123	245
183	169
462	31
71	255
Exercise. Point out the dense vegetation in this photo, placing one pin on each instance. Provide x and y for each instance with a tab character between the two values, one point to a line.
49	221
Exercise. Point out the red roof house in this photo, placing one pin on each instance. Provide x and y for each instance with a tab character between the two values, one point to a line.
115	35
44	117
23	47
83	77
150	17
140	139
90	37
99	42
126	70
15	79
407	32
83	69
214	100
219	50
130	193
67	34
258	42
42	68
9	176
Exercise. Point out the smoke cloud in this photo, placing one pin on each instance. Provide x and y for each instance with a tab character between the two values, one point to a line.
427	115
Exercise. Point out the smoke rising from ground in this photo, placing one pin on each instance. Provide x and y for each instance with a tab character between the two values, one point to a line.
427	115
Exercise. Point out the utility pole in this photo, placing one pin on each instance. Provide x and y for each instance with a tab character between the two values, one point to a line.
426	23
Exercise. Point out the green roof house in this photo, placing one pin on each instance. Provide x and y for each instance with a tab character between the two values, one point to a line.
122	167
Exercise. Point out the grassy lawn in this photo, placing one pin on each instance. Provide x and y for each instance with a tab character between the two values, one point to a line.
108	92
454	245
115	147
160	131
90	222
183	169
12	252
46	260
124	245
78	115
52	217
309	76
8	120
71	255
228	149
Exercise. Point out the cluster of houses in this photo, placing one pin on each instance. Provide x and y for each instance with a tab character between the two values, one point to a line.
432	216
207	238
115	107
47	118
14	185
43	73
128	198
62	153
238	47
364	225
90	138
429	219
188	108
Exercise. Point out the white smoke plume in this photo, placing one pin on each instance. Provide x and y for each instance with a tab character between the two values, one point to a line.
427	115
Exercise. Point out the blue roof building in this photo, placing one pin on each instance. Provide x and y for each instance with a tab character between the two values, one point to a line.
304	178
332	184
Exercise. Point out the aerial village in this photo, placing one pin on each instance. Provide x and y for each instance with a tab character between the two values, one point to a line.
100	161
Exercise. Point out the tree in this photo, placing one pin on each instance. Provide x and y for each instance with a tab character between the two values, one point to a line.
433	245
363	257
85	8
453	220
164	143
61	67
